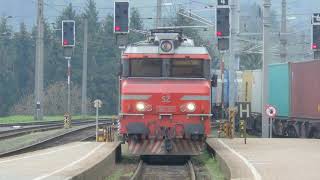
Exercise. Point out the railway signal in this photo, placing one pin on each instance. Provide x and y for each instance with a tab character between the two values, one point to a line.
121	17
223	2
315	32
97	104
68	43
68	33
223	25
223	22
223	44
316	37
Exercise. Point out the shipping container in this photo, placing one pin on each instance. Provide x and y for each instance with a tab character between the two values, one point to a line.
256	93
238	87
279	88
305	93
216	91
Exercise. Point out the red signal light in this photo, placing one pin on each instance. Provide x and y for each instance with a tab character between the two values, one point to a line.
219	33
314	46
117	28
65	42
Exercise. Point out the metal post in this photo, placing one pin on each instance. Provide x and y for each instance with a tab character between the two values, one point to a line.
283	34
266	57
304	48
97	122
222	86
38	90
84	71
233	53
270	127
158	18
69	86
316	55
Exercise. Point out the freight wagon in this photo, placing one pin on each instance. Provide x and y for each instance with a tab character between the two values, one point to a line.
252	93
248	89
217	92
294	90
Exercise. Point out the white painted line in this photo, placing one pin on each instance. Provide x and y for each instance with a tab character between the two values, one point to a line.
260	163
71	164
253	170
42	154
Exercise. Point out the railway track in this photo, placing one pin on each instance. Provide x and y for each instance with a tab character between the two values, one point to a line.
146	171
18	131
37	123
79	134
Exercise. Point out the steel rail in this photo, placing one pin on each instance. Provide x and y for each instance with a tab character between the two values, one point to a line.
34	123
191	171
27	130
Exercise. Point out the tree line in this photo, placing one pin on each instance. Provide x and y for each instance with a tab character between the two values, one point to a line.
17	61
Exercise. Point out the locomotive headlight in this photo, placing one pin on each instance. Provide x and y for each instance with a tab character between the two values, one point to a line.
166	46
140	106
191	107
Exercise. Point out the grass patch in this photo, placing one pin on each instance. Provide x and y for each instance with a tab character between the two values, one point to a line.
212	165
116	175
124	169
25	118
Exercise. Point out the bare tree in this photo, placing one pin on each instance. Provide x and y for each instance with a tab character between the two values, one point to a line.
55	101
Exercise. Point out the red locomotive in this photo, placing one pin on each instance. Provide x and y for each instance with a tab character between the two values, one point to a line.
165	95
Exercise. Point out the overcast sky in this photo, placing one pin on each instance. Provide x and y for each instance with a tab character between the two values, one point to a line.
25	10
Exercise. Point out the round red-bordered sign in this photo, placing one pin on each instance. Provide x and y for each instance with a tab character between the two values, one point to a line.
271	111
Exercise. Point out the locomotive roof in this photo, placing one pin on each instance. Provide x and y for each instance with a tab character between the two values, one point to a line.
182	45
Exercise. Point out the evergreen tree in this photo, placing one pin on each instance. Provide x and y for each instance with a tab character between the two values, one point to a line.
17	58
24	61
135	24
7	76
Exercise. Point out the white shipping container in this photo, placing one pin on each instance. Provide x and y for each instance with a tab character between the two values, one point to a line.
216	91
256	101
239	89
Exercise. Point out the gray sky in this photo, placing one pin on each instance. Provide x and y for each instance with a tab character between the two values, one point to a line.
25	10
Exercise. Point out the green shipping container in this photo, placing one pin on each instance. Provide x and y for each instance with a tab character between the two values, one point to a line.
279	88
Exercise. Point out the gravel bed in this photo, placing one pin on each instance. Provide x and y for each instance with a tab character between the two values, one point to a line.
25	140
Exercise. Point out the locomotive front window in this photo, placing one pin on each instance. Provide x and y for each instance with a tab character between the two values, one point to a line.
145	67
185	68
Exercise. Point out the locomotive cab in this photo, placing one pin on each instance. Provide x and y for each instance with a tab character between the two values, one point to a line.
165	90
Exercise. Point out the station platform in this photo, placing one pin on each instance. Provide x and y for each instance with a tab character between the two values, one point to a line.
80	160
268	159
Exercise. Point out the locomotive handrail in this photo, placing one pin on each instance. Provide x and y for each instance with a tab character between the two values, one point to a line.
209	115
166	78
199	115
128	114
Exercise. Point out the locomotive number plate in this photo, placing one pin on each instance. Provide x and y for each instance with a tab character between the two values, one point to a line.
166	109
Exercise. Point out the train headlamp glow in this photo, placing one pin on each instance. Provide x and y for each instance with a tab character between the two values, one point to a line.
140	106
166	46
191	107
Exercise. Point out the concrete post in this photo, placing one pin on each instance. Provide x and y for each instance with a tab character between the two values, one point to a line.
266	58
38	90
84	71
283	34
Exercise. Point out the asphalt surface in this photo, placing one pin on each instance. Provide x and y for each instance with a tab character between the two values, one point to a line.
55	163
270	159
